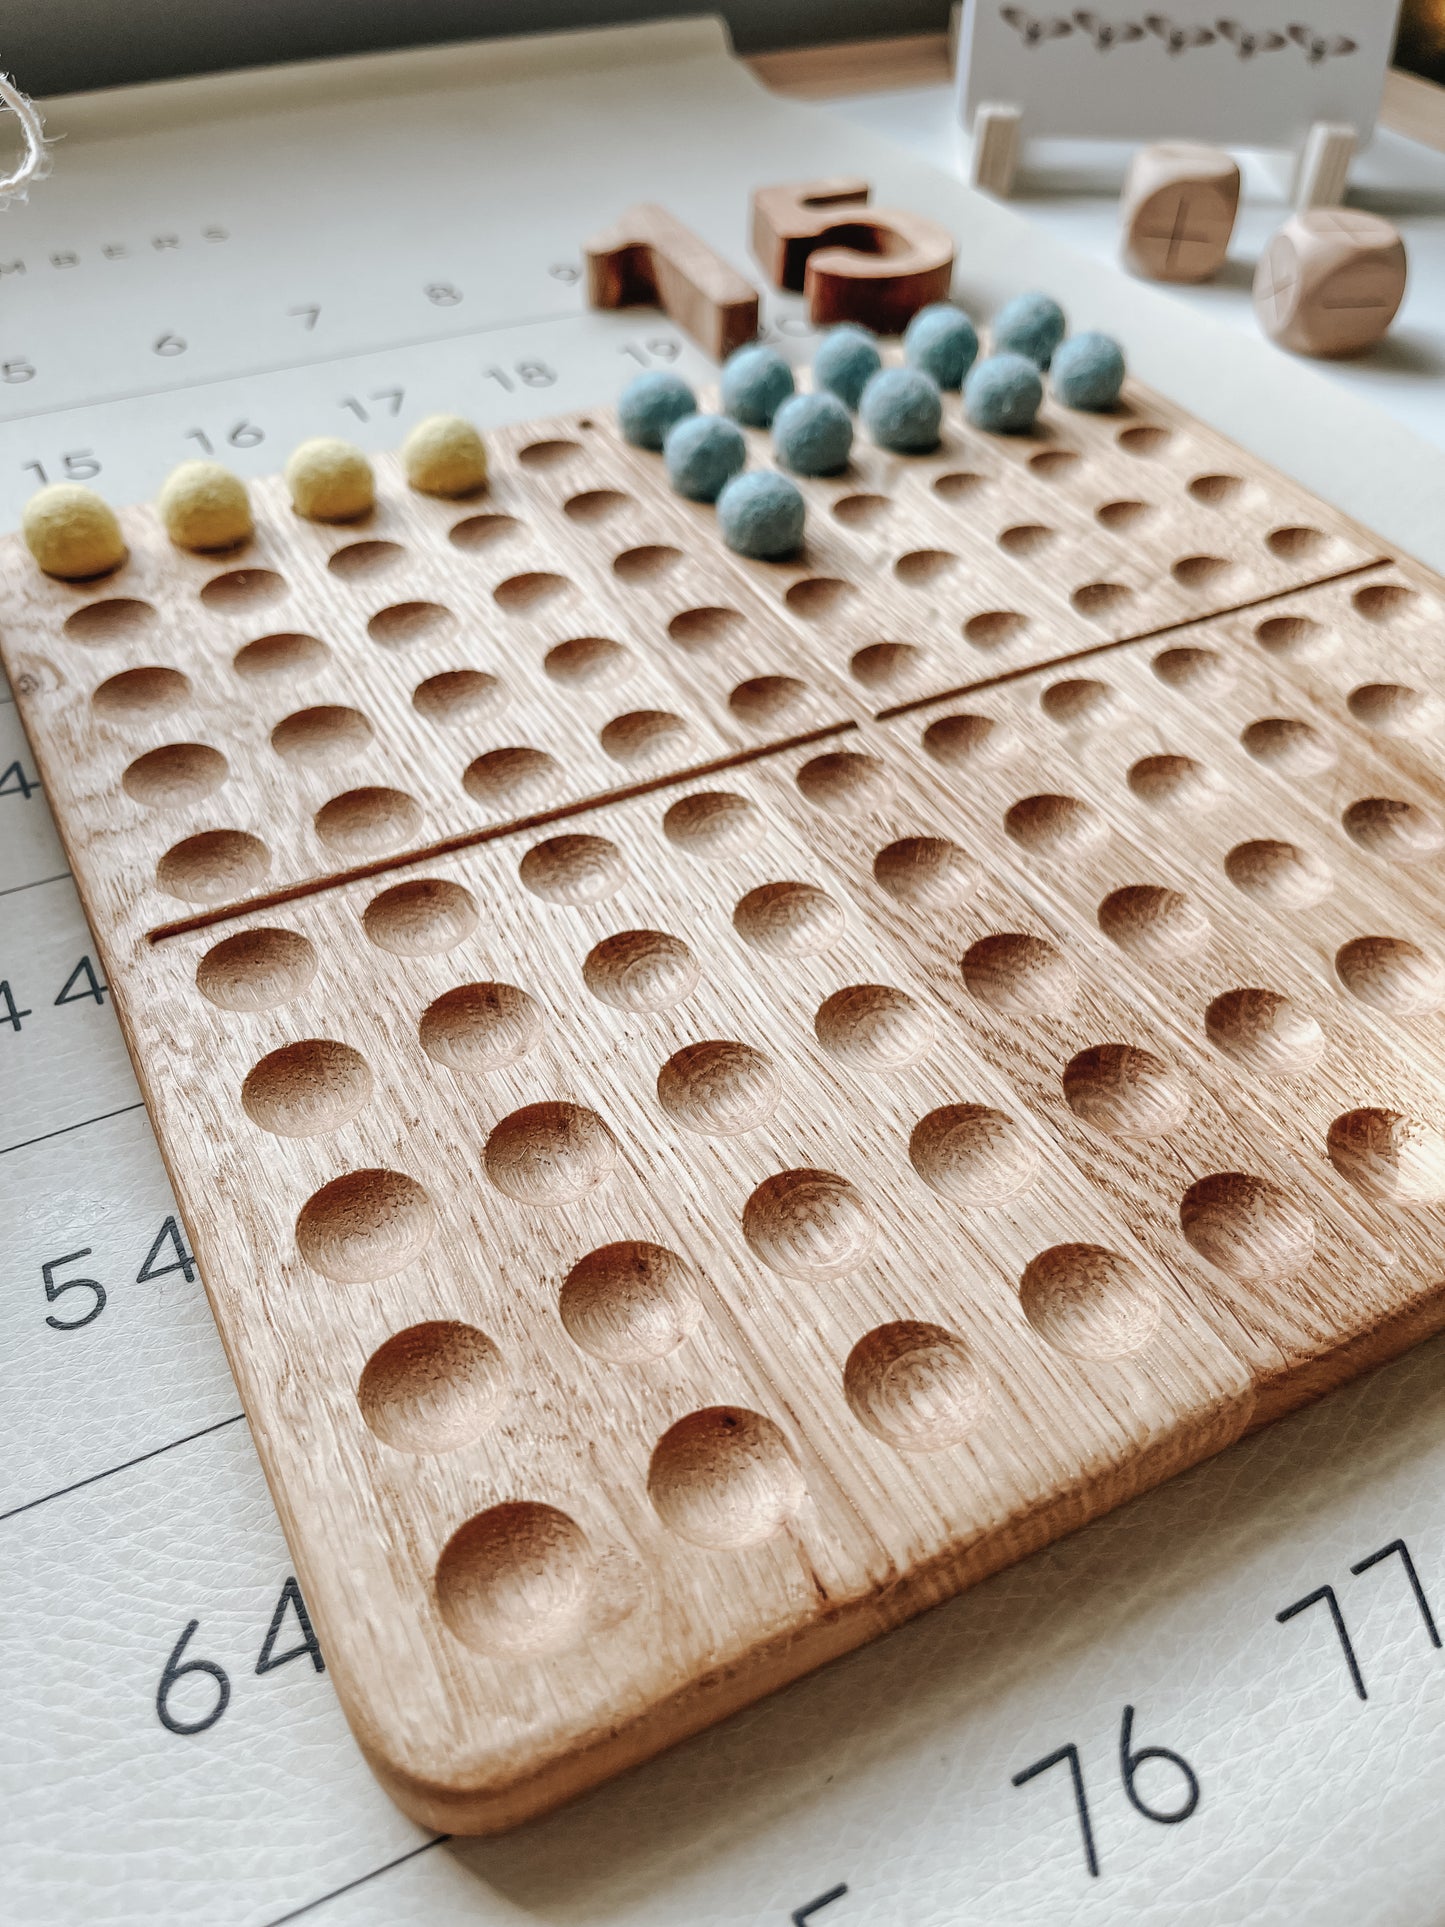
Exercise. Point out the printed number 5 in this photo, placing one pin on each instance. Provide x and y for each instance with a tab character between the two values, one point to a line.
54	1290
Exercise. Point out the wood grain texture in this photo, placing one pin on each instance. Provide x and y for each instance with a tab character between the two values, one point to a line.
663	1246
649	257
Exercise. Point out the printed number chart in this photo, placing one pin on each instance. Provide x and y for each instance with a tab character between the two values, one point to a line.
1221	1702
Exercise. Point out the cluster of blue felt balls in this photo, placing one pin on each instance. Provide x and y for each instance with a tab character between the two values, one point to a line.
761	512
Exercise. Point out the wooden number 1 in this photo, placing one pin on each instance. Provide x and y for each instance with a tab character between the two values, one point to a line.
854	262
648	255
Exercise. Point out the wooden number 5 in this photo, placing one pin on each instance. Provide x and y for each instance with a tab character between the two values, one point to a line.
854	262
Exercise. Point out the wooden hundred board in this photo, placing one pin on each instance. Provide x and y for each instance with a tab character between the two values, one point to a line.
718	1102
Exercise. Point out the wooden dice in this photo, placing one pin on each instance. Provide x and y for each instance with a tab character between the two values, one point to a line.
1330	282
1178	209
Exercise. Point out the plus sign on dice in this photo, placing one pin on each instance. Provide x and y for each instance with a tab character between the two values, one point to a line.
1330	282
1178	208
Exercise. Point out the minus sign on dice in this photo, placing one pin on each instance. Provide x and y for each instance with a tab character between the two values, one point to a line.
1330	282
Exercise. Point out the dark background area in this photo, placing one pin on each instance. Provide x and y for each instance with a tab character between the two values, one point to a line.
68	46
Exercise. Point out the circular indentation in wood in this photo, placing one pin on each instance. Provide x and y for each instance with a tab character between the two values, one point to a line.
1055	826
925	872
1054	464
432	1387
724	1478
1285	743
1100	600
289	657
424	917
914	1386
218	866
972	1154
1127	513
550	1154
589	660
239	591
1147	439
1026	538
766	700
256	969
992	628
788	919
482	531
1296	637
1265	1032
1393	708
478	1028
175	775
329	733
880	664
1387	827
1080	701
701	628
365	1225
643	735
368	821
516	1580
845	782
859	511
549	454
641	970
959	484
459	696
1088	1302
1153	923
1203	672
628	1302
808	1224
873	1027
1295	543
406	622
524	595
1175	780
1247	1227
818	596
713	823
1215	489
573	869
1382	601
1200	571
1125	1092
360	560
138	695
647	563
922	567
514	775
595	504
116	619
1279	874
968	738
1020	974
306	1089
1397	1159
719	1088
1393	975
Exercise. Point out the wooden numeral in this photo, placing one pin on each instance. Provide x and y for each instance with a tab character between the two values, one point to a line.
648	255
854	262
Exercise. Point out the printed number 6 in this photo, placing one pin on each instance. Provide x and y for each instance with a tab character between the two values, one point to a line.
54	1291
174	1671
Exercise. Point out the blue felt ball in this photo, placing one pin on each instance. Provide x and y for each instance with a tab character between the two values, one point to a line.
1002	394
943	342
650	404
846	361
1030	324
1088	372
761	514
701	452
756	381
813	434
902	408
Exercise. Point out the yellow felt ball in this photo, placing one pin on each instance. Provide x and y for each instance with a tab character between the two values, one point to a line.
330	481
444	455
205	506
71	532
